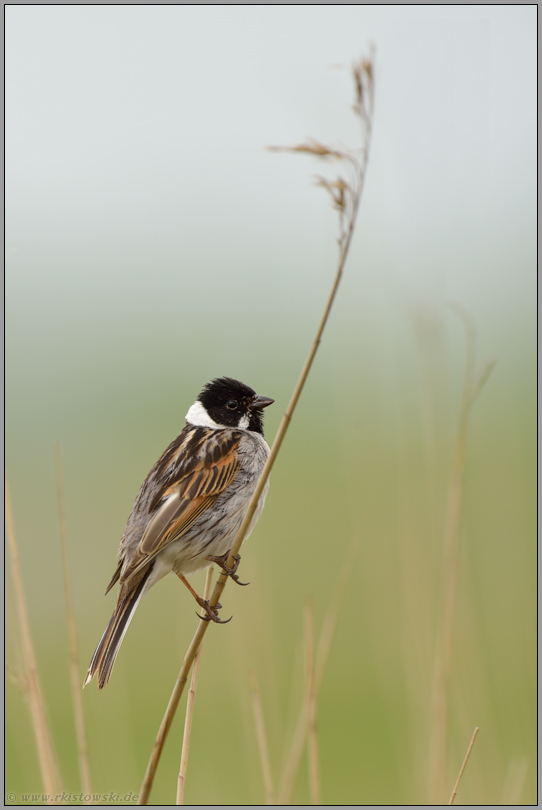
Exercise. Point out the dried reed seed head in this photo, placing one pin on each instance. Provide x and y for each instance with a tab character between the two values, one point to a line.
336	189
359	85
312	147
367	67
363	73
342	193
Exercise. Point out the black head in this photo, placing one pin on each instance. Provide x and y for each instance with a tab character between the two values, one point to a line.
233	404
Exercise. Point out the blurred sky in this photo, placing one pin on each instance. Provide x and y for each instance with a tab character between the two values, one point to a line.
150	235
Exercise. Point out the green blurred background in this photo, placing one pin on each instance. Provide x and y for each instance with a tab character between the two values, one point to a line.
152	244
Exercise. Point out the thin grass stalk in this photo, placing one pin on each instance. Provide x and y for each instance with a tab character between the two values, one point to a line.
297	745
170	712
363	74
75	680
294	756
312	731
467	755
472	386
46	757
190	701
514	782
331	618
261	736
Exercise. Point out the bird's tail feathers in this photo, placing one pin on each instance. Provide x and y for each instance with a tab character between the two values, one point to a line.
106	652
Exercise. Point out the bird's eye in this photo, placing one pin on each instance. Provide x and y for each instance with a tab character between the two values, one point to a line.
231	404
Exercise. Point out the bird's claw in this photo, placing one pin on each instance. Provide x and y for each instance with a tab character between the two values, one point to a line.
230	572
212	613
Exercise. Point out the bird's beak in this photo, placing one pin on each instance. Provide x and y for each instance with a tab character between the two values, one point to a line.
260	402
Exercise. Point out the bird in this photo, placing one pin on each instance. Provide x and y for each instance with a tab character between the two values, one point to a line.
190	506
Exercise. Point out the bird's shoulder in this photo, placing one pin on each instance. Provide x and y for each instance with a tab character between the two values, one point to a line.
190	456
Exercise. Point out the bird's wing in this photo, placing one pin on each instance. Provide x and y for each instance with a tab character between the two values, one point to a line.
185	496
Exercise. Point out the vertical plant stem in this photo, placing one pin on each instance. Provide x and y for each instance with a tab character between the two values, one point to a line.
39	721
82	748
514	782
331	618
443	663
170	712
295	752
293	759
363	107
451	555
261	736
190	701
467	755
312	731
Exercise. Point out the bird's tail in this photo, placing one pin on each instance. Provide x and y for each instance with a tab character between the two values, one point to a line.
106	652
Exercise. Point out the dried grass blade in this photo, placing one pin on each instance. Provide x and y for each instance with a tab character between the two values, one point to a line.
451	557
49	773
312	731
347	224
467	755
331	618
190	701
169	714
323	650
261	736
75	680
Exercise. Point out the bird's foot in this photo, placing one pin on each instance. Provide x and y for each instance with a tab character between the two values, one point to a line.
212	612
230	572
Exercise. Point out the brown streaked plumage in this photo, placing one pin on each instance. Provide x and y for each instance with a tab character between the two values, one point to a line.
183	500
190	506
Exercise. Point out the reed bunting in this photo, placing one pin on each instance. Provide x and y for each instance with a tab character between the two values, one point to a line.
191	505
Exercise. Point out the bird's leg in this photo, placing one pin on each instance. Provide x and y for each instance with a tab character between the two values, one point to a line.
204	603
221	561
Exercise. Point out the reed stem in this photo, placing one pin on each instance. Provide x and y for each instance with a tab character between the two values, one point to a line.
346	198
80	731
51	782
190	701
